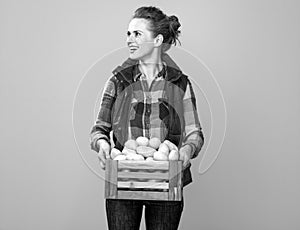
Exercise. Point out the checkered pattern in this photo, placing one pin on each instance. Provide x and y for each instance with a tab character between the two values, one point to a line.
145	112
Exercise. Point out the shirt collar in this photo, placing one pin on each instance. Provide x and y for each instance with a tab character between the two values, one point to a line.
137	72
125	71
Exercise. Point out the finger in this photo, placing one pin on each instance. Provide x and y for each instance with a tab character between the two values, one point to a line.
186	160
102	165
181	155
101	157
107	155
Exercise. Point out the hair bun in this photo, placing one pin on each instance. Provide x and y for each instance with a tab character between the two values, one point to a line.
174	22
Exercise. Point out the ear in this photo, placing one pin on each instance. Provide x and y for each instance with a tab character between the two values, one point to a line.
158	40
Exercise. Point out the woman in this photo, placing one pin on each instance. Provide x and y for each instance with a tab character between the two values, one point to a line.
148	95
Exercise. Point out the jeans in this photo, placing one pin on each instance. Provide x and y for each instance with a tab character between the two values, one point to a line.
159	215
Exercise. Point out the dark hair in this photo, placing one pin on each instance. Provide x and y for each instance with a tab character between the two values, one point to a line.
160	23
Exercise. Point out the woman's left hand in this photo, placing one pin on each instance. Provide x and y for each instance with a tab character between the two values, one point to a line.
185	154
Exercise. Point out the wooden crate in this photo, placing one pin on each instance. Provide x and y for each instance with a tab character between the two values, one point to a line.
143	180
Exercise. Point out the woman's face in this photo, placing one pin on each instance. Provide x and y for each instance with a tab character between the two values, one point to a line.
140	39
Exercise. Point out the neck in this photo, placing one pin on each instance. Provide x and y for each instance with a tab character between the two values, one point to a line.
152	65
150	70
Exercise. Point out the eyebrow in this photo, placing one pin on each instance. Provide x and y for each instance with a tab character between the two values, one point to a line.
135	31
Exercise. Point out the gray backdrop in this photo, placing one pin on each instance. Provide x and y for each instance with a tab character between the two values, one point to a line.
253	49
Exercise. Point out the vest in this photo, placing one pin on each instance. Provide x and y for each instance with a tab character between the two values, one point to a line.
176	83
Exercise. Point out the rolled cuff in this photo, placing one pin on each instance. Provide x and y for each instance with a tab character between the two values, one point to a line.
94	140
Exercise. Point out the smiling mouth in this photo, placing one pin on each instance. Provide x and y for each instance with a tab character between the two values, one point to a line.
132	49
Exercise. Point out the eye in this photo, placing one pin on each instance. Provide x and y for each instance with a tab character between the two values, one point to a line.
137	34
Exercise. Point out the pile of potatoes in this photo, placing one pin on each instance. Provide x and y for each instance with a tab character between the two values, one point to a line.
144	149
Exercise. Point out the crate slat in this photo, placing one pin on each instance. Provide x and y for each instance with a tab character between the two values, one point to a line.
141	180
111	172
144	175
145	185
158	165
142	195
175	179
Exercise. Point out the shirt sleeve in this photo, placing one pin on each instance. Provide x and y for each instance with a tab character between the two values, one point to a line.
102	126
193	130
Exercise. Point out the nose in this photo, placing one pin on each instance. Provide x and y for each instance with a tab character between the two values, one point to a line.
130	39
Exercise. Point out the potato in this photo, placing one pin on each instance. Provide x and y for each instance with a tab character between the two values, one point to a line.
114	152
120	157
131	144
134	157
149	159
128	151
159	156
142	141
130	156
154	142
173	155
139	157
171	145
145	151
163	148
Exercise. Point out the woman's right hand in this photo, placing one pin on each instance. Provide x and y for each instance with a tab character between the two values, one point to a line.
104	152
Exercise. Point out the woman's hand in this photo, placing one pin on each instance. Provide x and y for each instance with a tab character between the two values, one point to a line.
104	152
185	154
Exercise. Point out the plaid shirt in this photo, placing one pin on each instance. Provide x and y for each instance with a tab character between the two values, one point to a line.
144	118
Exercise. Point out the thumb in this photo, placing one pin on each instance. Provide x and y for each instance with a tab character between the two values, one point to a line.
101	155
184	155
186	160
181	154
107	152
